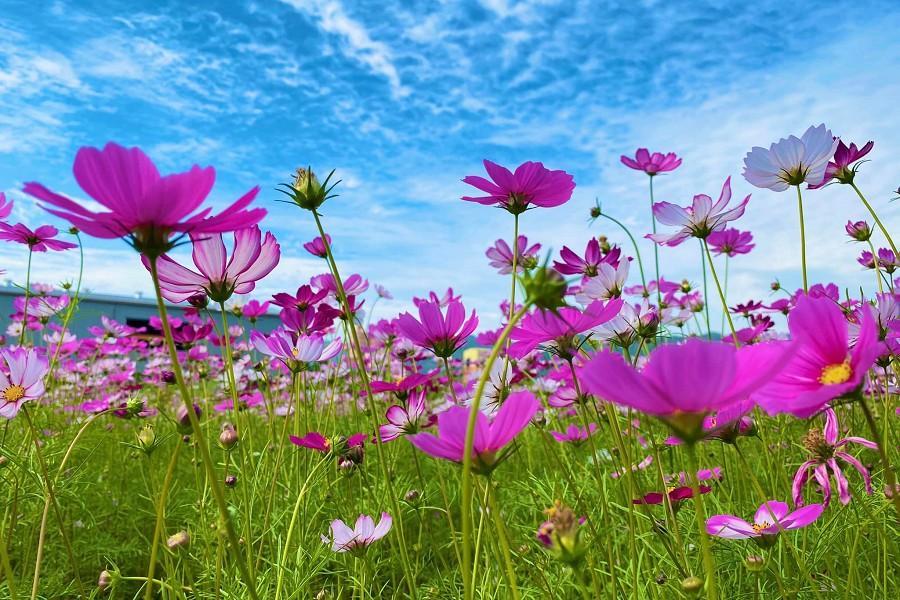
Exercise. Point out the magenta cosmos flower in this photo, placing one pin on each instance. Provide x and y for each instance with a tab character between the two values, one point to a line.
143	205
843	166
491	436
317	247
574	434
730	242
253	258
651	164
826	449
434	331
559	327
531	184
39	240
572	264
25	380
683	383
295	351
770	519
824	366
501	255
363	534
6	207
698	220
406	420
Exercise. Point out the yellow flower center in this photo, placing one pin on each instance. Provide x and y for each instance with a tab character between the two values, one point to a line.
835	374
295	352
14	393
759	527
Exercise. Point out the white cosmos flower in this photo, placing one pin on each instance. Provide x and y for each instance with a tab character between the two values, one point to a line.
791	161
608	283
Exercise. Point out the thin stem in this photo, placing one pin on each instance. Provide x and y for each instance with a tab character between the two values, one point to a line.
501	538
160	520
712	269
466	509
802	239
705	291
7	570
637	251
73	304
875	217
727	263
885	462
27	292
877	264
655	246
208	465
709	564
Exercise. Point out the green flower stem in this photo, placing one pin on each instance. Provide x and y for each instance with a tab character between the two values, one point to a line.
73	305
370	399
709	564
712	269
208	465
877	265
7	569
655	246
466	509
27	293
637	252
705	291
889	477
160	520
494	508
802	239
875	217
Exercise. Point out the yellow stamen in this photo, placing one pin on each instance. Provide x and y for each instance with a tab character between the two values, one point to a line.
14	393
759	527
835	374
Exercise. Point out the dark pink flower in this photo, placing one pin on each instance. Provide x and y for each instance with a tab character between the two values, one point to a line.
406	420
305	298
39	240
572	264
443	301
843	166
143	205
491	436
730	242
859	231
501	255
531	184
772	518
651	164
254	309
824	365
574	433
23	381
559	327
5	207
317	247
309	320
434	331
220	277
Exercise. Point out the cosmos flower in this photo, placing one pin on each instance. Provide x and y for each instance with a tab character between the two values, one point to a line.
143	205
572	264
491	436
251	259
383	292
698	220
39	240
303	299
824	366
559	327
574	433
501	256
730	242
295	351
353	285
651	164
770	519
406	420
843	166
609	283
683	383
791	161
6	207
442	301
316	247
254	309
859	231
826	449
434	331
24	382
363	534
531	184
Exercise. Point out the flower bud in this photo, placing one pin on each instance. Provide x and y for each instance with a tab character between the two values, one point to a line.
200	301
184	419
105	581
168	377
178	540
306	191
231	481
412	496
544	288
146	439
859	231
228	438
754	563
605	247
691	585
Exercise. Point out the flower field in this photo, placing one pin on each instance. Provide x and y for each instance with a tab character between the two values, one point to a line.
607	439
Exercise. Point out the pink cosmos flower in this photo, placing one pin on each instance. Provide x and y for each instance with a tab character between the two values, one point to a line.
309	320
791	160
683	383
363	534
318	442
572	264
295	351
317	247
675	494
843	166
5	207
39	240
383	292
406	420
531	184
402	388
609	283
698	220
491	436
305	298
501	256
254	309
353	285
730	242
443	301
859	230
574	433
770	519
252	259
143	205
826	449
559	327
824	366
651	164
434	331
24	380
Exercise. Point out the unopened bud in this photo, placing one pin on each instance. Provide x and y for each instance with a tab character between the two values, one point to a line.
412	496
178	540
168	377
691	585
231	481
755	563
229	436
146	439
105	581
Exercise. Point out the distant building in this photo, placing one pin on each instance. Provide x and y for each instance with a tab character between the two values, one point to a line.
134	311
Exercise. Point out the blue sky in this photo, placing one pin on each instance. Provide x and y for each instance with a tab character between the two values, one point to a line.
406	98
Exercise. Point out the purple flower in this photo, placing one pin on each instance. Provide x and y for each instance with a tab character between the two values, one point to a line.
491	436
559	327
406	420
253	258
572	264
383	292
363	534
845	163
317	247
770	519
859	231
651	164
254	310
531	184
826	449
501	256
5	207
698	220
574	434
39	240
434	331
24	382
731	242
295	351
